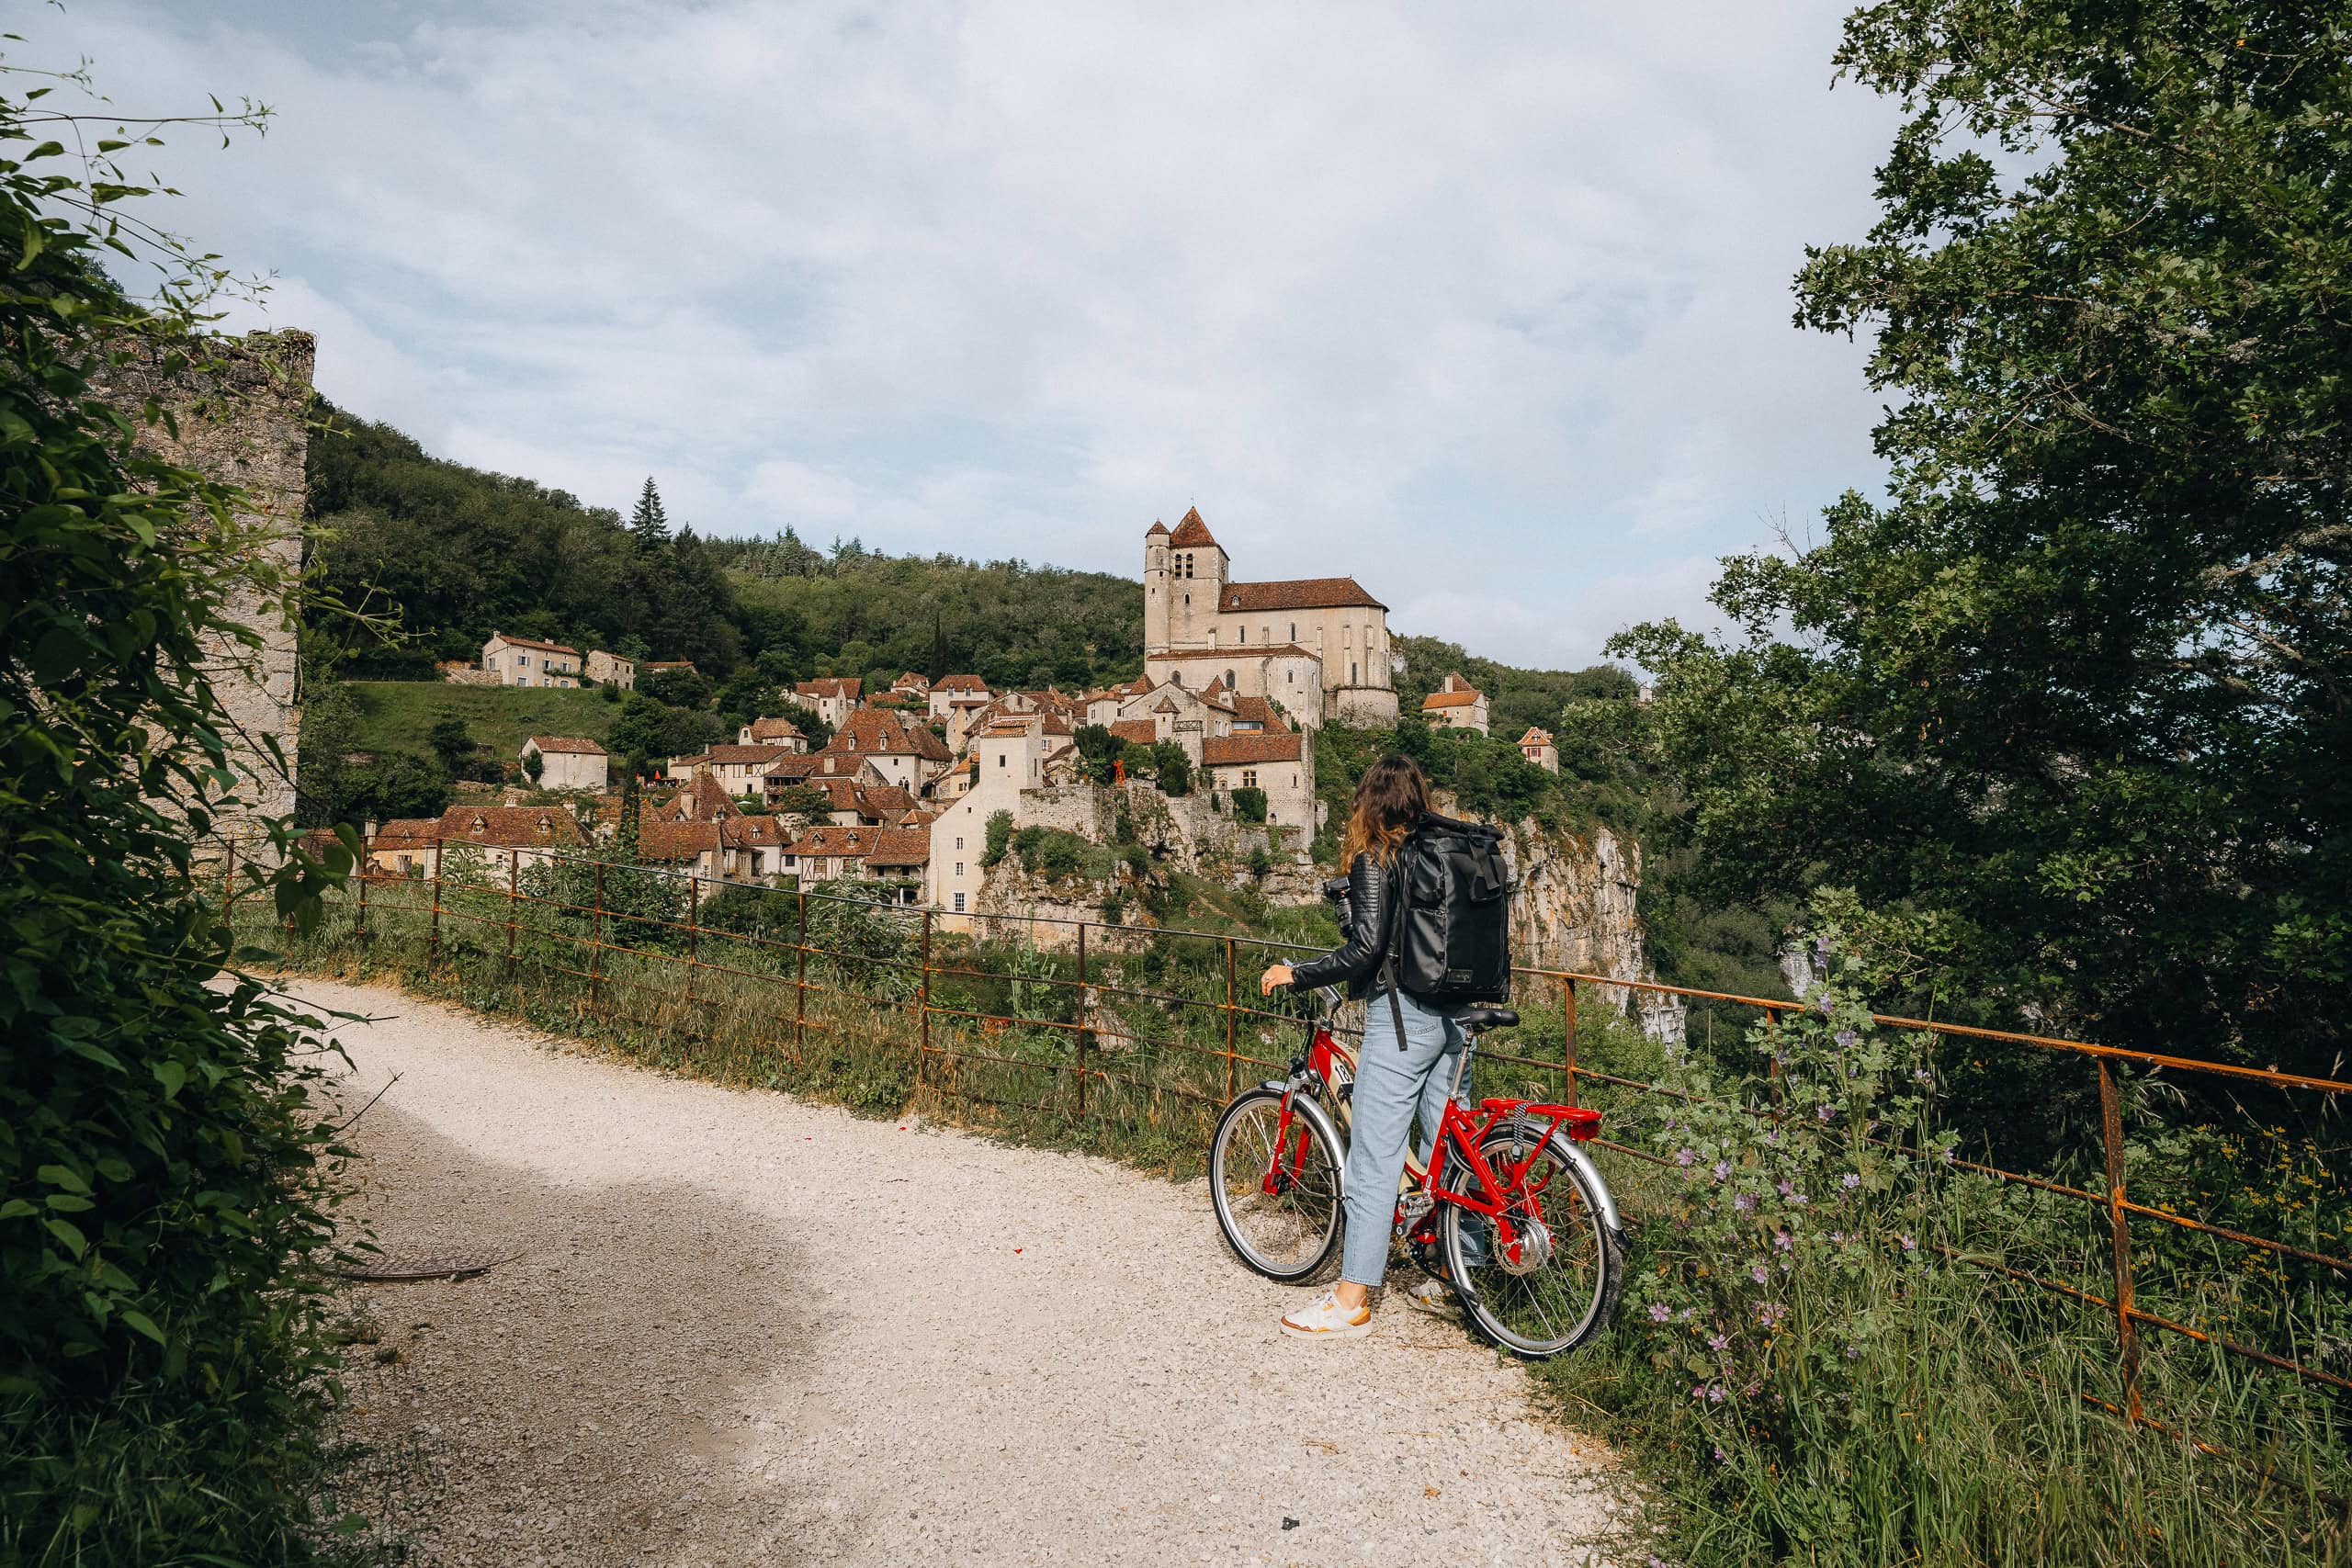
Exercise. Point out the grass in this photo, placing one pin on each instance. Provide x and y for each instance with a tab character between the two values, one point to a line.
396	715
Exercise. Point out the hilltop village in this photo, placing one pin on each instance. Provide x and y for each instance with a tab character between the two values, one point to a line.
919	789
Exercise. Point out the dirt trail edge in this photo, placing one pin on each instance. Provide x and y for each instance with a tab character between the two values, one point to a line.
745	1329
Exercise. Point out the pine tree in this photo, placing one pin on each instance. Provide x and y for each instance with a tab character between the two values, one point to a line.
648	522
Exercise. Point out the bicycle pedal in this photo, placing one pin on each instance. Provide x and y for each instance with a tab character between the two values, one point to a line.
1413	1208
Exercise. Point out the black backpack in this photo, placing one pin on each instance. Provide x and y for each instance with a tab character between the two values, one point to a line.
1450	939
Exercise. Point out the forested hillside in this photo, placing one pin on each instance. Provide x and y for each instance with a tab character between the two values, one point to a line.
460	553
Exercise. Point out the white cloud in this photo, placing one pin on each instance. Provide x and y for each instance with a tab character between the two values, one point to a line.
1494	292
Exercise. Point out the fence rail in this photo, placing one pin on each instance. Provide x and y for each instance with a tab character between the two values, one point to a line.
918	981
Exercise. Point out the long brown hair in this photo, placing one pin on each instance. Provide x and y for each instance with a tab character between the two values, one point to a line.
1391	799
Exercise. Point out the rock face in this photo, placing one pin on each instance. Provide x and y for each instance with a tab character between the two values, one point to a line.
1573	906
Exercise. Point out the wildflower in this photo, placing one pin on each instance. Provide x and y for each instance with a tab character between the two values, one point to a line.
1908	1244
1839	1236
1770	1313
1721	1458
1921	1075
1719	1343
1853	1352
1686	1315
1686	1157
1850	1180
1784	1187
1723	1170
1698	1390
1847	1039
1781	1239
1758	1273
1660	1312
1824	1004
1715	1394
1787	1264
1827	1113
1743	1201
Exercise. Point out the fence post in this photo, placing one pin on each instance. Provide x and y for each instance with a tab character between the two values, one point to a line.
596	944
514	878
2110	1120
800	973
359	920
229	879
1568	1036
433	942
1085	1019
694	948
1229	1018
1772	1061
922	1001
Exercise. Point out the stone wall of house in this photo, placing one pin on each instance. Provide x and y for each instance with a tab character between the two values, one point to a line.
1363	707
242	421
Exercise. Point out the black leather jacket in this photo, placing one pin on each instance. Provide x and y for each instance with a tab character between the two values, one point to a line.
1355	962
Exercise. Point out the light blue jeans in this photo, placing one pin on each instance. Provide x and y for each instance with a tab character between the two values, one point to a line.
1391	1087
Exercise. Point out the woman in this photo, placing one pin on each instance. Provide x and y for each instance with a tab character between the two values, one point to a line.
1390	800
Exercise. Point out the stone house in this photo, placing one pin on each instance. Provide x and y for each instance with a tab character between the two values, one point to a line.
692	847
1007	756
527	662
773	733
510	837
1537	747
740	770
1178	713
404	846
565	762
1195	612
818	768
829	852
669	666
831	697
1455	705
1275	760
954	692
905	752
611	670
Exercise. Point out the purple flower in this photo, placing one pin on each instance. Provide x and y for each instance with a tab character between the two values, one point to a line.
1660	1312
1908	1245
1827	1113
1798	1199
1698	1390
1781	1239
1921	1075
1770	1313
1743	1201
1715	1394
1721	1458
1686	1315
1758	1273
1850	1180
1719	1343
1853	1352
1822	1005
1784	1187
1723	1170
1839	1236
1686	1157
1847	1039
1787	1264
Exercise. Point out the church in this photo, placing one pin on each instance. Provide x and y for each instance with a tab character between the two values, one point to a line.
1317	647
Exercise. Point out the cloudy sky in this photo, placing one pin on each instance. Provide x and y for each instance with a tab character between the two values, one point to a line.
1486	305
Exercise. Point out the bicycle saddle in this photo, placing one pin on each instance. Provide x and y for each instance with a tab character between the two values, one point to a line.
1477	1021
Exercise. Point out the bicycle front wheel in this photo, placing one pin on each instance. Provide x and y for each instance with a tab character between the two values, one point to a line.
1277	1191
1555	1285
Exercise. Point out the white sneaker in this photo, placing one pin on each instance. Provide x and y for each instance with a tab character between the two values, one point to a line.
1432	1295
1327	1319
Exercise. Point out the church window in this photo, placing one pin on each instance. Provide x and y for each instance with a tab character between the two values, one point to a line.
1228	681
1294	631
1352	671
1241	636
1249	778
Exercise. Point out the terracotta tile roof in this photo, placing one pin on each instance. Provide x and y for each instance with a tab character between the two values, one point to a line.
509	827
744	756
792	768
912	682
707	801
1461	699
832	686
1305	594
404	833
1535	736
900	846
830	839
676	841
555	745
1139	730
749	832
534	642
1191	532
960	684
887	734
1267	746
1157	527
1258	710
883	797
775	729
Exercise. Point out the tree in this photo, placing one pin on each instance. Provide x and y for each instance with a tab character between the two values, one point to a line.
1249	804
453	743
675	688
649	524
1000	836
164	1172
803	800
533	765
1173	768
2080	690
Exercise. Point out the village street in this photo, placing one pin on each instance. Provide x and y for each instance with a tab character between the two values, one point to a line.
737	1329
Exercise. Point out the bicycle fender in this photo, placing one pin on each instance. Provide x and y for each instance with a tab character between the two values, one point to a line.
1591	1173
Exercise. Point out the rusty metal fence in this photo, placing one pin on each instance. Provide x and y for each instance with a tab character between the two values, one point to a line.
1025	1020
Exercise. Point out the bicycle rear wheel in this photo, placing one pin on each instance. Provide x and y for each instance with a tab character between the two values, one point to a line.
1280	1216
1561	1286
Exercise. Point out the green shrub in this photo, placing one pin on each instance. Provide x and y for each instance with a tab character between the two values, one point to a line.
999	837
1249	804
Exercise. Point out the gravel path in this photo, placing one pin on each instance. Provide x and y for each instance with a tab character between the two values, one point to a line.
743	1329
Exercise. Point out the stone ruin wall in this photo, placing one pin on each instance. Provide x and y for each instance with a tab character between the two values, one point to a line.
242	421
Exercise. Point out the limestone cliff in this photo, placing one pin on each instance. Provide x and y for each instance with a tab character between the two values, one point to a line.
1573	906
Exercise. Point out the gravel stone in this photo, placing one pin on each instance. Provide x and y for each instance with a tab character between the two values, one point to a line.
746	1329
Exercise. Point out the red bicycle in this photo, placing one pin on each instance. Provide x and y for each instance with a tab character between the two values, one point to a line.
1508	1211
